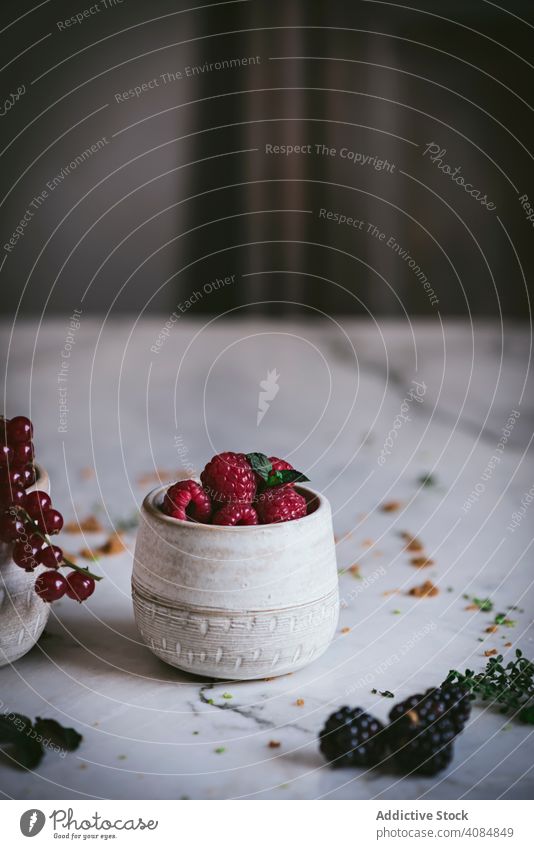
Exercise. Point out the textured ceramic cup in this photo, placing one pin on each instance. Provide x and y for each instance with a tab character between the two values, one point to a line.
236	602
23	615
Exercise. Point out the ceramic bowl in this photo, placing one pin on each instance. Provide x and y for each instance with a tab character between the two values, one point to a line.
236	602
23	615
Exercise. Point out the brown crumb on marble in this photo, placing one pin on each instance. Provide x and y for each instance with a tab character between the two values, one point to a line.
354	570
412	543
91	524
300	703
274	744
87	473
162	475
421	562
423	590
507	645
471	607
68	556
113	545
390	592
391	506
367	543
491	629
490	652
345	630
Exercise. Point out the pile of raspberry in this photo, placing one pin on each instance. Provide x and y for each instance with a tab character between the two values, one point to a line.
27	519
239	489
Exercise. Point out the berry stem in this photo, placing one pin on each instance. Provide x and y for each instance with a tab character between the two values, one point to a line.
27	518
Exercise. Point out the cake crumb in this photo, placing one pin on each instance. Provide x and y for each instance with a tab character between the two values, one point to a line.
90	524
345	630
391	506
491	629
113	545
300	703
490	652
421	562
423	590
274	744
412	543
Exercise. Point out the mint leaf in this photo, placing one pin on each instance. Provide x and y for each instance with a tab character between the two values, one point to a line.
286	476
260	464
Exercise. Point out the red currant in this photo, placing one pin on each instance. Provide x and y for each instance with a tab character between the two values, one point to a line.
25	554
50	586
11	527
79	586
19	429
12	495
6	455
51	556
29	476
23	453
11	477
37	503
50	522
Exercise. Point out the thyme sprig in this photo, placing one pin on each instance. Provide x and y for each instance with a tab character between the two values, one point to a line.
511	687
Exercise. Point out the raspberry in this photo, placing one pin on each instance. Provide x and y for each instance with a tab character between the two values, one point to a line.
353	738
280	504
187	500
229	478
236	514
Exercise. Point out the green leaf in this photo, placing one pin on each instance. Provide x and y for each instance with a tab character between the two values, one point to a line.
285	476
260	464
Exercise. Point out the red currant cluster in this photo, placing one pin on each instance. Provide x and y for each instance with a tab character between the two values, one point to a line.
27	519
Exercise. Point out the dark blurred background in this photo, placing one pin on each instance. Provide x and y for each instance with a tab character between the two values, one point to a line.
180	190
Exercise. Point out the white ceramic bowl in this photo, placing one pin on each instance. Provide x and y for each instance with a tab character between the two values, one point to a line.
23	615
236	602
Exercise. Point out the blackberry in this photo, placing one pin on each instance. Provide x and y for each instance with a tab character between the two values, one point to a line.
421	734
352	737
456	701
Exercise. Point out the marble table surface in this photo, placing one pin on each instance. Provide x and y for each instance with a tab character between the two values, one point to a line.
456	404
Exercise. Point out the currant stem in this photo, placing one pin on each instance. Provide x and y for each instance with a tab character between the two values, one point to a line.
26	516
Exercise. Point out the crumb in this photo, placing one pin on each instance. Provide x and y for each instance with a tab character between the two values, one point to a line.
391	506
68	556
490	652
90	524
412	543
491	629
345	630
354	570
471	607
274	744
87	473
421	562
300	703
423	590
367	543
507	645
162	475
113	545
390	592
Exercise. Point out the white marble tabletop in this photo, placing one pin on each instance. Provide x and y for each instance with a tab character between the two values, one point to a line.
151	731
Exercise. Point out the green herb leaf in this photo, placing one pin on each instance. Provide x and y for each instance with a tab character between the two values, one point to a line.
484	604
260	464
427	480
18	736
285	476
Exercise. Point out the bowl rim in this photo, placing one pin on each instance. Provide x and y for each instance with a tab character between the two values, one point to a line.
150	506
